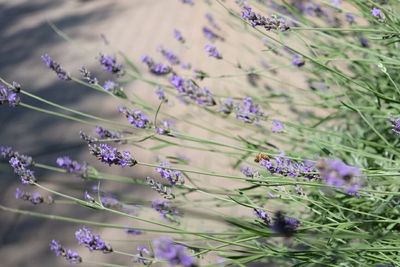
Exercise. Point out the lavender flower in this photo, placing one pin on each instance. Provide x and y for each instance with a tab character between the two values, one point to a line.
186	66
136	117
104	133
111	86
395	125
210	35
163	190
189	89
92	241
9	96
284	225
377	13
165	128
88	76
165	209
350	18
277	126
170	56
110	201
178	36
35	197
72	166
161	94
8	152
110	64
227	106
212	51
248	111
54	66
156	68
248	171
144	253
261	214
298	60
338	174
20	168
174	177
71	256
111	155
273	23
166	249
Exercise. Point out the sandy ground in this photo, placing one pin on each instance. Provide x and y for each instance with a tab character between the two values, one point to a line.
135	27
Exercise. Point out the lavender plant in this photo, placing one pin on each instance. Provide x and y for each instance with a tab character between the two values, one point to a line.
306	124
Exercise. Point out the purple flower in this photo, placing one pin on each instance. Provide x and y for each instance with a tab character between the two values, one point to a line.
364	42
377	13
35	197
92	241
104	133
26	175
156	68
174	177
248	111
395	125
72	166
9	96
277	126
111	86
190	89
178	36
261	214
110	64
165	209
88	76
248	171
71	256
144	253
272	23
170	56
161	94
284	225
54	66
338	174
165	129
212	51
136	117
227	106
298	60
111	155
350	18
166	249
210	35
186	66
110	201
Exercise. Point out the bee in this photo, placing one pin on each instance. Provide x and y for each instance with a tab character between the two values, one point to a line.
261	156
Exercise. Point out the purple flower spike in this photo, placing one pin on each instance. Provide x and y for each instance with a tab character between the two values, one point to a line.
136	117
248	171
170	56
9	96
110	155
272	23
189	89
178	36
174	177
248	111
175	254
144	253
72	166
377	13
156	68
104	133
277	126
35	198
212	51
71	256
298	60
110	64
92	241
284	225
88	76
54	66
210	35
261	214
395	125
165	209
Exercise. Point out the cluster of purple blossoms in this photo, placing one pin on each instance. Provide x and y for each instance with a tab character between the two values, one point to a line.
188	88
338	174
35	198
298	60
284	166
248	111
272	23
277	126
173	176
92	241
111	202
143	254
395	125
71	256
87	76
249	171
160	188
110	155
104	133
212	51
156	68
72	166
110	64
377	13
165	209
10	96
227	106
19	163
281	224
136	117
161	94
165	128
210	35
112	87
178	36
54	66
170	56
167	249
350	18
